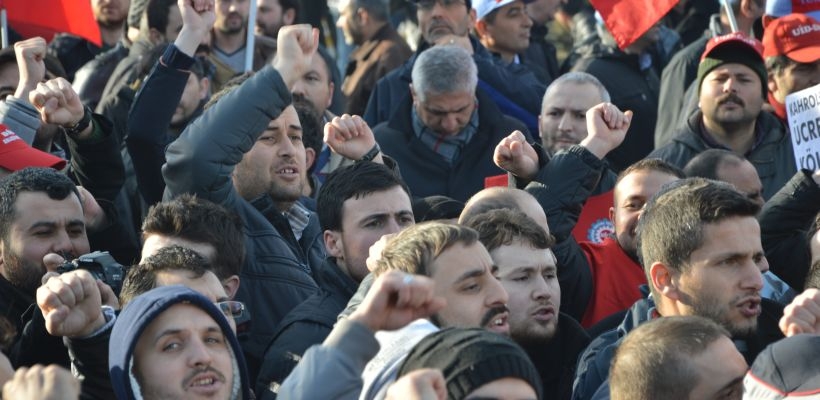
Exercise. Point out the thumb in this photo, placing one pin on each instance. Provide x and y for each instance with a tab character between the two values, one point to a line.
107	295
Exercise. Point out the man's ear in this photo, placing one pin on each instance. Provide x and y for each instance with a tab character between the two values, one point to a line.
204	88
332	88
334	243
156	37
480	28
310	156
771	83
289	17
662	280
231	285
612	215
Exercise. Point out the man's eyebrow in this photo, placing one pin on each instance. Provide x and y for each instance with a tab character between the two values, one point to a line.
470	274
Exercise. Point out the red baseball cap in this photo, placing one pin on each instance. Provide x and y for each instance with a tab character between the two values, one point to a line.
732	40
796	36
16	154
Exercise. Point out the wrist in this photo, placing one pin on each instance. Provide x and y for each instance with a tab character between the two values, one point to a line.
371	154
81	126
598	149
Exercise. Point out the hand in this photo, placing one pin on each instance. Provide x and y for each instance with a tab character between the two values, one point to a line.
397	299
606	128
71	304
802	315
43	383
94	215
296	45
514	155
6	370
198	18
421	384
350	137
57	103
30	55
462	41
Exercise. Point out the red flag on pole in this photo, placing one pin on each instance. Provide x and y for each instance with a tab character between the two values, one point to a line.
48	17
627	20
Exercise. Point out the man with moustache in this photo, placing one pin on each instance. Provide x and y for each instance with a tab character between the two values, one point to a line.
732	88
520	248
700	245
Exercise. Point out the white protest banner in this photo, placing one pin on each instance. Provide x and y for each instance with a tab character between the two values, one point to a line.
803	109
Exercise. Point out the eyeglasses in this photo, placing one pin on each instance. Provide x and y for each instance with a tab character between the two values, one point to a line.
428	5
230	308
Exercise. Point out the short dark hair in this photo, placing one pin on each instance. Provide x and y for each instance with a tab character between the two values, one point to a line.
706	164
312	131
198	220
651	164
143	277
228	87
671	227
290	5
354	181
156	14
502	227
414	249
654	360
379	10
776	64
33	179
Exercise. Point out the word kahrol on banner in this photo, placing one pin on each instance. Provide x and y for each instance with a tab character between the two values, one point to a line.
803	109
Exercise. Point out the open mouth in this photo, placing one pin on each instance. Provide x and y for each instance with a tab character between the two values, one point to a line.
750	308
205	384
499	323
544	314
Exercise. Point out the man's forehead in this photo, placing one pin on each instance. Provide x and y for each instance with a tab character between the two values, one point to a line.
319	66
288	119
36	205
569	93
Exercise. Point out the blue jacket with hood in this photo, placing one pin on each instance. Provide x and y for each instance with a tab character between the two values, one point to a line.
139	313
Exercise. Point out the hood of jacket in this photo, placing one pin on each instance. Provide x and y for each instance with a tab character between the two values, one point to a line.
136	317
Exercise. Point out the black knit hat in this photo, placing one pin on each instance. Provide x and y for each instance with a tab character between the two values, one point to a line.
733	48
471	358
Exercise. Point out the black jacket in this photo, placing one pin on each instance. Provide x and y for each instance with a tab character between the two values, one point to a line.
149	121
784	224
91	78
275	277
516	83
306	325
541	56
556	360
425	172
73	52
773	157
630	88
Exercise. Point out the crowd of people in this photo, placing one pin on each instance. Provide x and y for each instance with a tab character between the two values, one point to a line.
438	199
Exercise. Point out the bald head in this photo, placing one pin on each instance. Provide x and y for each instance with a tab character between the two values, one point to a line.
495	198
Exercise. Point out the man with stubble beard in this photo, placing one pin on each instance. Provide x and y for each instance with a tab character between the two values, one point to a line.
527	270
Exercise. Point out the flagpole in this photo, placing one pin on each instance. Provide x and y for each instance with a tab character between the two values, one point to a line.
4	26
249	43
731	15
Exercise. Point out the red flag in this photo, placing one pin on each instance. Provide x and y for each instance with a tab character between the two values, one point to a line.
48	17
627	20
